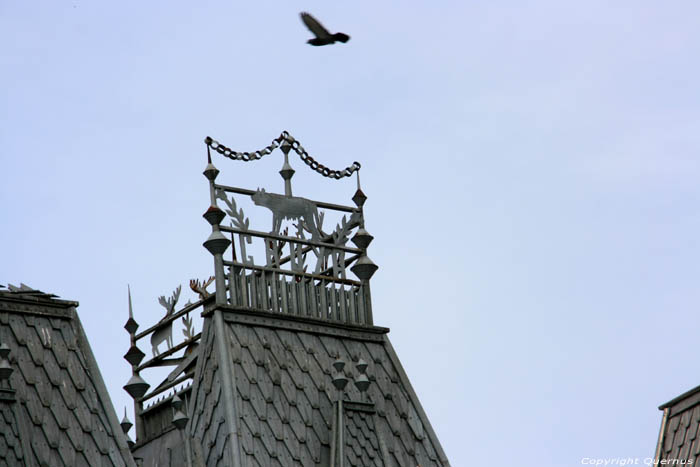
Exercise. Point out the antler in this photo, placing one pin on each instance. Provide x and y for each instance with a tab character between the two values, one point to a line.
201	289
169	304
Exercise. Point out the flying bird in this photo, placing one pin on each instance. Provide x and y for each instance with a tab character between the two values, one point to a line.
323	37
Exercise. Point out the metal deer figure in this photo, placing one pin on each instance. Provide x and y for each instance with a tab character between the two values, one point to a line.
165	331
200	288
288	207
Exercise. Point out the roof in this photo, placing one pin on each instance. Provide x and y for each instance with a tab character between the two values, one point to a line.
678	436
281	379
56	411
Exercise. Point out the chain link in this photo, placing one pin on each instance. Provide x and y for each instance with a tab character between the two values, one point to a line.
243	156
284	138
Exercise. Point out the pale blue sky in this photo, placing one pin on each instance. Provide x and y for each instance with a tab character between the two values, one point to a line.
532	172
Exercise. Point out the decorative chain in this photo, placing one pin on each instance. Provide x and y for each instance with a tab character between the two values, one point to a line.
243	156
287	142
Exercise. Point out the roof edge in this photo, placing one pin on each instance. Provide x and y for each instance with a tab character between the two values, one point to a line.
102	393
52	302
419	407
300	323
677	399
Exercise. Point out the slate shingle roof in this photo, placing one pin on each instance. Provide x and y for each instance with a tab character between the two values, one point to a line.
62	414
679	437
281	370
207	406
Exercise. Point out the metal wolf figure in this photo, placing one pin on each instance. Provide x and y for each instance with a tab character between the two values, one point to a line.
288	207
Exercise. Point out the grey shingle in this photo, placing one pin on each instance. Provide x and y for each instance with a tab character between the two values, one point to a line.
285	399
54	424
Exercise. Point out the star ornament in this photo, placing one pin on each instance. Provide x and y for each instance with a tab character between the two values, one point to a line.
323	37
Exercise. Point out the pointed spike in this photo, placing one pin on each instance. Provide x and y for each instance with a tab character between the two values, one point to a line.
131	325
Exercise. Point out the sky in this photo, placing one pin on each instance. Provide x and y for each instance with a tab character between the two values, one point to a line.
531	171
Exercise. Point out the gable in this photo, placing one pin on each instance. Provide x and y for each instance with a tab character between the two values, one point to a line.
60	413
284	396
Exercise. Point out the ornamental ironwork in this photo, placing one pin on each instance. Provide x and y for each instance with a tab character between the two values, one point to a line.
301	265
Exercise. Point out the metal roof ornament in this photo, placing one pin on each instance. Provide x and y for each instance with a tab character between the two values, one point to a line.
131	325
164	333
361	366
134	355
179	419
126	423
362	382
362	238
287	171
296	245
364	268
4	350
5	369
340	381
176	402
339	364
136	387
359	197
200	287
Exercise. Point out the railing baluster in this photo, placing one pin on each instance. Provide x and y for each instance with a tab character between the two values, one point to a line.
233	298
275	295
343	306
313	290
361	318
283	291
253	290
264	292
352	311
243	287
334	303
303	302
294	308
324	300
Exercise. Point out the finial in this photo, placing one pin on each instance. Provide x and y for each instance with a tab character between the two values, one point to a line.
5	369
364	268
362	382
136	387
179	420
126	423
362	238
287	171
210	171
339	364
131	308
361	365
131	325
177	402
359	198
340	381
134	355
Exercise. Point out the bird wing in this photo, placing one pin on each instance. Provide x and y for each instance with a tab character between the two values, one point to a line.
314	26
